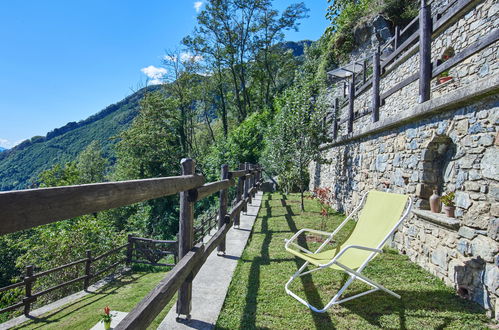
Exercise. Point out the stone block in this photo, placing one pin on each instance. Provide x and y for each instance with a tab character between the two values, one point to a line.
439	257
493	230
464	247
462	200
490	163
472	186
486	140
484	247
466	232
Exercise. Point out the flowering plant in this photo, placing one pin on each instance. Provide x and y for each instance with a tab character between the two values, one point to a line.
106	317
448	199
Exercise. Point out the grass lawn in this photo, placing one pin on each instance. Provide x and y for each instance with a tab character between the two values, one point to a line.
256	297
120	295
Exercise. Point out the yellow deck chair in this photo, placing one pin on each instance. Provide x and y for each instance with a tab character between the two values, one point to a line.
379	214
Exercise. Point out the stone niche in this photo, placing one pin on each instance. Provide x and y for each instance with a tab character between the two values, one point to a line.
437	169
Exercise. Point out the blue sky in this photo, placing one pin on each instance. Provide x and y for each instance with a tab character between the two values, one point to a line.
63	61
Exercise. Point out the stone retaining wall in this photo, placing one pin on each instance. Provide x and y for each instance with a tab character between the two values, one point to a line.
453	149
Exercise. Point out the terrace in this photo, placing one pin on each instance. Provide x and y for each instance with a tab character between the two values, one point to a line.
256	296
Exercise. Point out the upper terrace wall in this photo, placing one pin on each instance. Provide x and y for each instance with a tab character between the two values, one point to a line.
449	143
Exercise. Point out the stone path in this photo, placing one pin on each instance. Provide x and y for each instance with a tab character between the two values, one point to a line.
210	286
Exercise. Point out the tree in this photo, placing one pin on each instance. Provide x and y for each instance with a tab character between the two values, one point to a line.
295	136
91	164
230	34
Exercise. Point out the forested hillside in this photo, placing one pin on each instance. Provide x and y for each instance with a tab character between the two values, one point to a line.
21	165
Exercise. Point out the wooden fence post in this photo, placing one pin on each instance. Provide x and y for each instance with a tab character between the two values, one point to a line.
246	186
375	102
335	121
28	285
239	193
186	239
396	38
129	250
424	52
88	262
351	99
222	211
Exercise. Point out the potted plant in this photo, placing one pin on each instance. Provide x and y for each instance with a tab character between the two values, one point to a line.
106	318
449	206
444	76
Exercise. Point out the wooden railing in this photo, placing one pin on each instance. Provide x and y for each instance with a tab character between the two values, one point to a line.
405	42
26	209
88	274
192	257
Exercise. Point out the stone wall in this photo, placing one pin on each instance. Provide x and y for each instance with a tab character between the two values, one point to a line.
454	146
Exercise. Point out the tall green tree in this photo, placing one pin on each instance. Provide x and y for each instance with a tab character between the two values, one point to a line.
230	34
294	138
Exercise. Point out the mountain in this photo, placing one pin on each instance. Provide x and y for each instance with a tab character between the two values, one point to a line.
21	165
2	149
297	47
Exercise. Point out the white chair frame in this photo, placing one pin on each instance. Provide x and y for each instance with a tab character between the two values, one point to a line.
353	274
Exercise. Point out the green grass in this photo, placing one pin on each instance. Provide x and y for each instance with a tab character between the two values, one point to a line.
256	297
120	295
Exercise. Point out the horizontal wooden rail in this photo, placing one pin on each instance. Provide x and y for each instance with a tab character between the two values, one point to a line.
46	272
153	240
23	209
11	286
236	174
12	307
108	267
213	187
110	252
41	293
147	310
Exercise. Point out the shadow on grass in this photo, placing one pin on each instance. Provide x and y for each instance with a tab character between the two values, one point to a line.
89	299
435	301
248	320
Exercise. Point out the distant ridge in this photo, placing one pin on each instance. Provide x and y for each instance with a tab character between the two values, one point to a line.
2	149
21	165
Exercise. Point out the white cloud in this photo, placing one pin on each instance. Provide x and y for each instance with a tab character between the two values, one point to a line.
197	6
155	74
4	143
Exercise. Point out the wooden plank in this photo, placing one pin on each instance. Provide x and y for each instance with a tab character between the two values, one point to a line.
186	238
146	311
413	38
222	208
237	174
109	267
41	293
213	187
150	263
110	252
12	307
400	85
239	193
455	12
351	101
23	209
489	39
158	241
46	272
375	102
409	25
11	286
424	52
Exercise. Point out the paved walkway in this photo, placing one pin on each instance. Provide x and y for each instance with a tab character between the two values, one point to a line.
210	285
